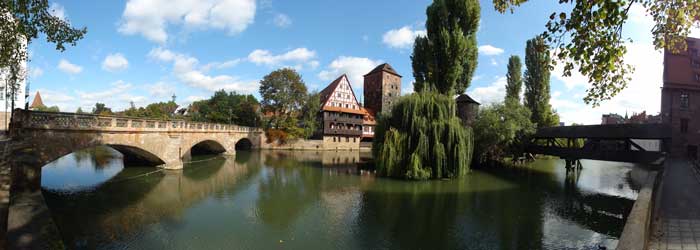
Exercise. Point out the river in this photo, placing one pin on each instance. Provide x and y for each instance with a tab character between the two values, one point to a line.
320	200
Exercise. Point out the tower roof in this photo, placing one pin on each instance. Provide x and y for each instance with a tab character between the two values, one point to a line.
466	98
37	102
384	67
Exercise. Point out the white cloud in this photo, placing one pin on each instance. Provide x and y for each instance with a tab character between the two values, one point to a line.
35	72
490	50
494	62
186	69
402	38
282	20
67	67
642	94
493	93
639	16
161	89
115	62
297	57
354	67
117	88
151	18
57	10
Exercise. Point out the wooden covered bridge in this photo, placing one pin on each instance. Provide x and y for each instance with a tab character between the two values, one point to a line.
636	143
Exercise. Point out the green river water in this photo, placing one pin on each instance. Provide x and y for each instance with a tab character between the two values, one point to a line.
321	200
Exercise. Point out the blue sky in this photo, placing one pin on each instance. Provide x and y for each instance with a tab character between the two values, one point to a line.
147	50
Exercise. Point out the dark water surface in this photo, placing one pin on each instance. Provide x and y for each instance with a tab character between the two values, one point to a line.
318	200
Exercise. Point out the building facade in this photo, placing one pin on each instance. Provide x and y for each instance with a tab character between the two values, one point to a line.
341	115
680	98
382	87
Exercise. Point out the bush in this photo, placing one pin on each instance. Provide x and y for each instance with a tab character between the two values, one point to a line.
276	135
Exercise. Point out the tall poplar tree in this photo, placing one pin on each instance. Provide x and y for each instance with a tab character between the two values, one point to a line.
445	60
514	78
537	75
422	138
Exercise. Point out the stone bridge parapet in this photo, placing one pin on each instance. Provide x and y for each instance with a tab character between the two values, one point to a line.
50	135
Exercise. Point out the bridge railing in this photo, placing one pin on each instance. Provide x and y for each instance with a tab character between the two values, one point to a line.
23	119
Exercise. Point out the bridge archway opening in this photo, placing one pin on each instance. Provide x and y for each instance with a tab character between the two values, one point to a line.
90	167
207	147
244	145
134	156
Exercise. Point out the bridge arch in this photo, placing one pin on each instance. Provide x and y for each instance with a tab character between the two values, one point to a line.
244	144
207	147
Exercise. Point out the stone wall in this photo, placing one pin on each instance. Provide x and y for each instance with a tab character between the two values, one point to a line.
327	143
293	145
4	123
672	113
341	143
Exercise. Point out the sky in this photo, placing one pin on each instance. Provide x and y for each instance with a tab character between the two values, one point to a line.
146	51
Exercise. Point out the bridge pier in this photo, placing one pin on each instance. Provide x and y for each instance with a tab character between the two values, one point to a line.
573	164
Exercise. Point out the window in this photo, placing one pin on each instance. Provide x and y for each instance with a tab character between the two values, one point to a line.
697	77
353	139
685	101
684	125
333	138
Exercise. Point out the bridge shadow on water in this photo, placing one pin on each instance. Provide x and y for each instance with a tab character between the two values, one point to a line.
136	198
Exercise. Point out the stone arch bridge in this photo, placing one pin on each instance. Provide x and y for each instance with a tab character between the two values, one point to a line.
47	136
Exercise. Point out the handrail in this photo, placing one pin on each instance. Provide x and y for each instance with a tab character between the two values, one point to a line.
62	120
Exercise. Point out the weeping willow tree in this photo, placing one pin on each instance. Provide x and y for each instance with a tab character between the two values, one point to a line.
422	138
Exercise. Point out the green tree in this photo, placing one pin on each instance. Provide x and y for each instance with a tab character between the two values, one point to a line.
445	60
79	111
283	93
589	37
422	138
514	78
537	77
499	130
229	108
101	109
309	114
20	23
48	109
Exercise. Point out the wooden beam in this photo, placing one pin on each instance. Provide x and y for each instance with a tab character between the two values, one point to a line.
614	131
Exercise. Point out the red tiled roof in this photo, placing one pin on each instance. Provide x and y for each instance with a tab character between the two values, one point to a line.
369	117
37	102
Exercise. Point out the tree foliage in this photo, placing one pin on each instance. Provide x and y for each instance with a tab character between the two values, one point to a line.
48	109
227	107
423	139
514	78
589	37
499	130
445	60
21	21
160	110
537	77
283	94
309	114
101	109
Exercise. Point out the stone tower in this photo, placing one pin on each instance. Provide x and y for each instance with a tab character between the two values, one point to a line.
382	88
467	109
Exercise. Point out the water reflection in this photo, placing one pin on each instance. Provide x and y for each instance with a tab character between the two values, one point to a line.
317	200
